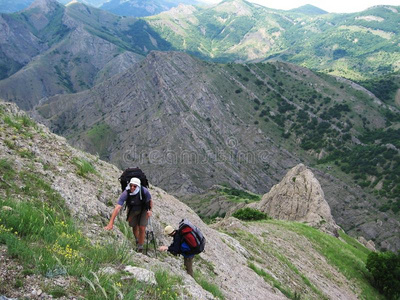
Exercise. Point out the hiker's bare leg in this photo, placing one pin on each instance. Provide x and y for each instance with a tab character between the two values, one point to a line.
135	230
188	262
142	231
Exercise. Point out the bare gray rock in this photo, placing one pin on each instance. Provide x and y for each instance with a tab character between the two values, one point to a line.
299	197
368	244
141	274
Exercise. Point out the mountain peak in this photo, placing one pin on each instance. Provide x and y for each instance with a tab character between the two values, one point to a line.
72	2
237	7
181	9
45	6
309	9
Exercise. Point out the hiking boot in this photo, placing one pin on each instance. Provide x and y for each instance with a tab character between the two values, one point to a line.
139	248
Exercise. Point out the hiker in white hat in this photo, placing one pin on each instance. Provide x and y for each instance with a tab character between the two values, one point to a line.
139	204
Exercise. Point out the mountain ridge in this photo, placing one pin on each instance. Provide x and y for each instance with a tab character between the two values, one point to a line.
342	43
309	10
157	115
89	195
72	51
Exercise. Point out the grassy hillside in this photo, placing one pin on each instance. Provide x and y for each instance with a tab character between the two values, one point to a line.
385	88
356	46
329	121
273	245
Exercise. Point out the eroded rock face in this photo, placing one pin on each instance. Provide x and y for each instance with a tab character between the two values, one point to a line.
299	197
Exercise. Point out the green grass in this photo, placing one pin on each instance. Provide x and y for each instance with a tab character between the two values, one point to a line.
124	227
275	283
84	167
45	239
21	124
208	286
349	257
236	195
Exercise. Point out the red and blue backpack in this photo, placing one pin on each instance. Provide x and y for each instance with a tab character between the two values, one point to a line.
192	236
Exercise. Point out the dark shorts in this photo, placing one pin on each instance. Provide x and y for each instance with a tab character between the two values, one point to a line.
137	217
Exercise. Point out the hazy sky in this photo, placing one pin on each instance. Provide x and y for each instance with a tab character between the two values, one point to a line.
340	6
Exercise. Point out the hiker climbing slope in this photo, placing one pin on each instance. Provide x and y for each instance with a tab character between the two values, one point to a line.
139	204
188	241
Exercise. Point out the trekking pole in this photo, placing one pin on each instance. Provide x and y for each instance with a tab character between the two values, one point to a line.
150	235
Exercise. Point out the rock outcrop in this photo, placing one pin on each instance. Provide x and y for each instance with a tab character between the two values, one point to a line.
368	244
299	197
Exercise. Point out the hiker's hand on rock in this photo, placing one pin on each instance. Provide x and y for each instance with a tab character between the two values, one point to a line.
163	248
109	227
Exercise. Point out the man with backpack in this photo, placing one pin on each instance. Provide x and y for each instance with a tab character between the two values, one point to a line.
138	202
187	240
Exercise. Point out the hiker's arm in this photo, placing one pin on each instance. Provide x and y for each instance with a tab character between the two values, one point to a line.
149	204
175	247
149	209
113	216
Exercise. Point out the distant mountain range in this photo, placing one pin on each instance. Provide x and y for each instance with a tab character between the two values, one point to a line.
135	8
309	10
49	49
142	8
356	46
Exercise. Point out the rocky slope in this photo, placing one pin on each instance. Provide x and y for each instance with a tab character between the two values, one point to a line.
51	49
192	125
86	201
159	115
32	148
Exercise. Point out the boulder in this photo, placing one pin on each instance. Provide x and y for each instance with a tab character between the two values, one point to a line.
141	274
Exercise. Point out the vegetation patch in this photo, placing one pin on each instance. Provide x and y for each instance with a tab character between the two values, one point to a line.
376	161
84	167
384	88
45	239
208	286
100	136
385	270
236	195
274	282
249	214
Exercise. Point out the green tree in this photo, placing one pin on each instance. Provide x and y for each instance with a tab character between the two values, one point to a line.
249	214
385	270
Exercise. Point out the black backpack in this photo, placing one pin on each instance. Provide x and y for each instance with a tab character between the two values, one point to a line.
129	173
197	234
